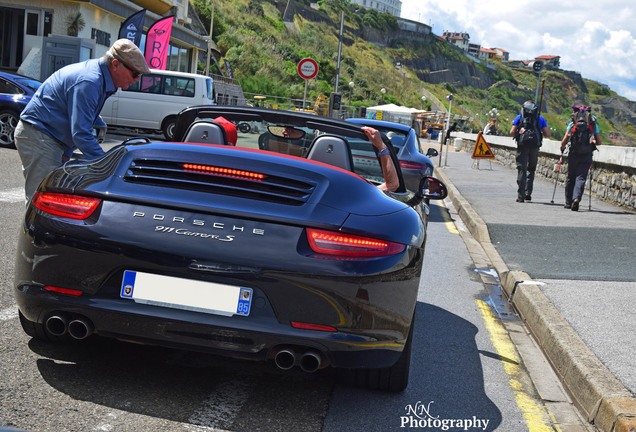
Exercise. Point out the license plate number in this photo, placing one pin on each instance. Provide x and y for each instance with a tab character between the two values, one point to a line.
187	294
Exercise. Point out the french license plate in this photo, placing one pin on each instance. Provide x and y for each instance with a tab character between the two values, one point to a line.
178	293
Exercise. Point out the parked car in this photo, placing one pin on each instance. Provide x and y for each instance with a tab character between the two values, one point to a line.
406	141
235	250
15	92
152	103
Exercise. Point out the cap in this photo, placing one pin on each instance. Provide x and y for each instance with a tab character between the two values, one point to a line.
127	52
230	129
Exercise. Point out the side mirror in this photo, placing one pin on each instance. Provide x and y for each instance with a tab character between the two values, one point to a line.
432	188
431	152
429	188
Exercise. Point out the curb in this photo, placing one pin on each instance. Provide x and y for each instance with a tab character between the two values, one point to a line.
601	397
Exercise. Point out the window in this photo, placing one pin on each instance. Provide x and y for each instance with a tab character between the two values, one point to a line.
164	84
9	88
32	24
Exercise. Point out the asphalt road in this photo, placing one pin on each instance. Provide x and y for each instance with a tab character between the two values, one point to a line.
463	367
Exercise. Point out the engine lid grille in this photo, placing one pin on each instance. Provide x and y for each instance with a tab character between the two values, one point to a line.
222	180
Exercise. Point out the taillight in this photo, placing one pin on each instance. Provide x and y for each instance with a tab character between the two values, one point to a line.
66	205
346	245
412	165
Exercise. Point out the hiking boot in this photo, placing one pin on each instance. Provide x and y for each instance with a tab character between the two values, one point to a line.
567	206
528	198
520	199
575	204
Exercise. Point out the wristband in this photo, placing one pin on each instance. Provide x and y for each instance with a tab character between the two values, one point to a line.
384	151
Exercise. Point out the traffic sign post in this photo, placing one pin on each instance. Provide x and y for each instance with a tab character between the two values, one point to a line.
537	67
482	150
307	69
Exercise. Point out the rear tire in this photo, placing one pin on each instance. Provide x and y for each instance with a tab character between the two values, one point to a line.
168	128
392	379
33	329
244	127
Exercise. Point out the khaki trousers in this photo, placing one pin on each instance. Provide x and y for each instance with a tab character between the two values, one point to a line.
40	154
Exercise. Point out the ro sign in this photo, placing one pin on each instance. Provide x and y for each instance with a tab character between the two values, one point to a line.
307	68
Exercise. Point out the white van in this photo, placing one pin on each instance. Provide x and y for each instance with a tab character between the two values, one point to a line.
153	102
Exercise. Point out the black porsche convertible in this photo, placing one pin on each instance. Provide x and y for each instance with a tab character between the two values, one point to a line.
280	248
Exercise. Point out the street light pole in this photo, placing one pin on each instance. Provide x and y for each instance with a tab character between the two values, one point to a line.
450	98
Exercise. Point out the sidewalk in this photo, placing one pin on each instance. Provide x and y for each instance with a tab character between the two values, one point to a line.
570	275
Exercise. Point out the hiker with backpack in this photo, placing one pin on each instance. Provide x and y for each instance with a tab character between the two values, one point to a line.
528	130
582	135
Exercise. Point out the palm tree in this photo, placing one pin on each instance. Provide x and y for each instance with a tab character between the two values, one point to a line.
75	24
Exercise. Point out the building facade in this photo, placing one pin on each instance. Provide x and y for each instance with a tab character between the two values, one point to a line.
37	37
393	7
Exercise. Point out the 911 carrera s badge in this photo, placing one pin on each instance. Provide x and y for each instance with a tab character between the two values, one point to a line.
188	233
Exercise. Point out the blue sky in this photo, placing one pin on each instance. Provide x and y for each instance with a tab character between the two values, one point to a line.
596	39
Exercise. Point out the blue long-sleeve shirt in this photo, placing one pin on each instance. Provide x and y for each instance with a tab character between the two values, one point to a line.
68	103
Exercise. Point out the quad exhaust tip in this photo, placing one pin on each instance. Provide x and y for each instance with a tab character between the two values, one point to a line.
308	361
80	329
77	327
57	325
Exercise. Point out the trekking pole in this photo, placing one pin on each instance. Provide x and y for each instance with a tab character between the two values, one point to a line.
590	194
557	177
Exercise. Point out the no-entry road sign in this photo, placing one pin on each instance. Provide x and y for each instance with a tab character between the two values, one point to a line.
307	68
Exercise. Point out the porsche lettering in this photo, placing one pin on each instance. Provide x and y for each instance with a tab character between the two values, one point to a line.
199	223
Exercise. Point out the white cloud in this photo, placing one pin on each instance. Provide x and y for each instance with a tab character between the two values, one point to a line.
599	40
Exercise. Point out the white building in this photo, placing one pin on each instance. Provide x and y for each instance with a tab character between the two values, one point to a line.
393	7
36	39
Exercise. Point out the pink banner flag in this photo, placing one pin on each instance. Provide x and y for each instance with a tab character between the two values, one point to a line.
158	43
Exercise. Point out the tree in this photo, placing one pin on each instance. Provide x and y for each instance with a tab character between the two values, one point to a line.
75	24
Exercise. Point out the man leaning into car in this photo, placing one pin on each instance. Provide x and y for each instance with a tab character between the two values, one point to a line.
61	115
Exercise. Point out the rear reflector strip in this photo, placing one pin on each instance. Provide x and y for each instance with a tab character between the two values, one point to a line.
308	326
65	291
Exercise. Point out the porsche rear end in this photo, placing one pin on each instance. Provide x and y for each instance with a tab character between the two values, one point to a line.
241	253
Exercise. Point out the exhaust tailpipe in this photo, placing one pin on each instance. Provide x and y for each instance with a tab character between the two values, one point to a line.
285	359
310	361
56	325
80	328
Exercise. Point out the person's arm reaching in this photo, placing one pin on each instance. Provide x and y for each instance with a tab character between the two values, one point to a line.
391	181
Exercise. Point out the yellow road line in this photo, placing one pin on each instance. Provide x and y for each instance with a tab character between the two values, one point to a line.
448	222
536	416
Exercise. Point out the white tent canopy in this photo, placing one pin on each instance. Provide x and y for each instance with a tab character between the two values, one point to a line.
395	113
393	108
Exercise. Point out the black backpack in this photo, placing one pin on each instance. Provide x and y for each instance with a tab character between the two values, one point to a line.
529	132
582	130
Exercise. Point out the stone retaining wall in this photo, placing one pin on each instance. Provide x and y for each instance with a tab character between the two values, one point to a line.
612	183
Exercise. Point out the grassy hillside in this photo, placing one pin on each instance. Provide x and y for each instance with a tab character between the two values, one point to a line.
264	51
